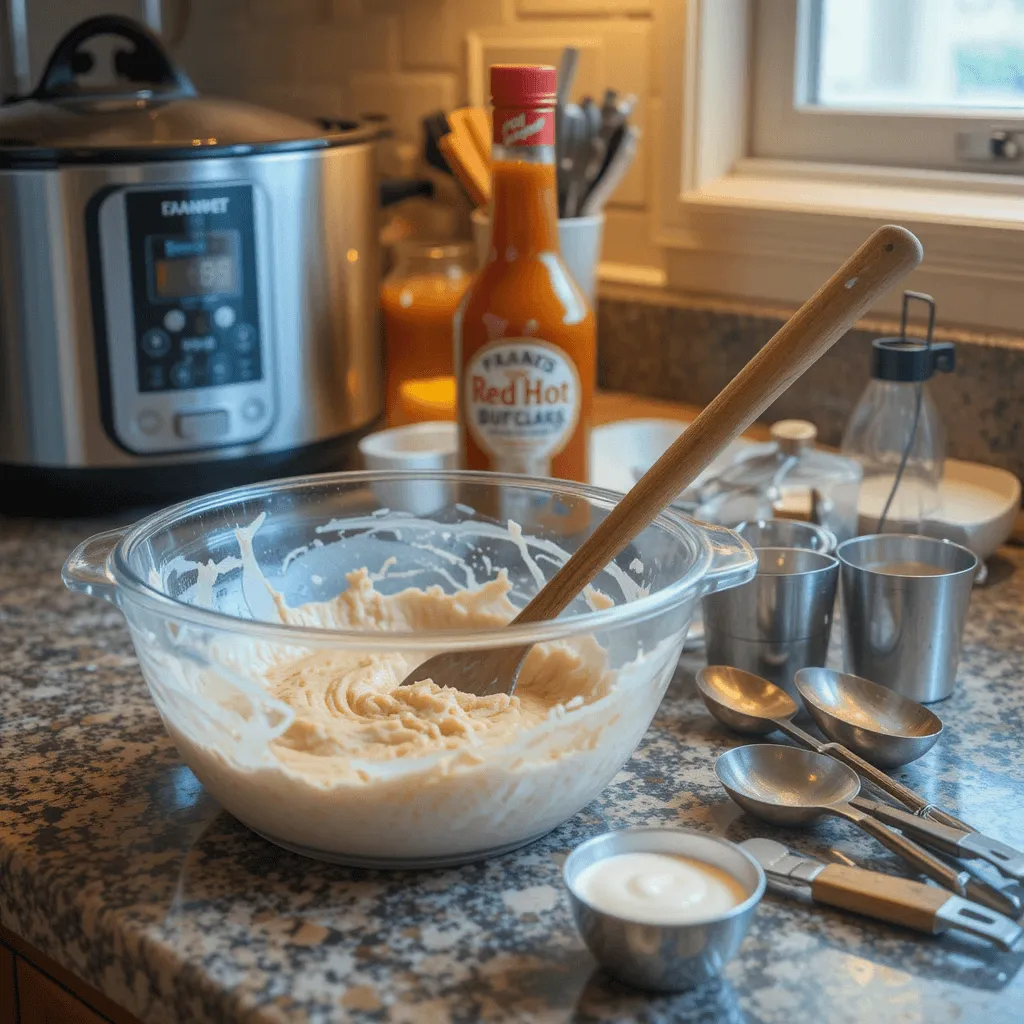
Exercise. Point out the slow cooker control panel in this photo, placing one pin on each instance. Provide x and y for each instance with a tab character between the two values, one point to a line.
186	329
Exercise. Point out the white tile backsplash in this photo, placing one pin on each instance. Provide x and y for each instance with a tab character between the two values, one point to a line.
612	52
338	52
527	45
434	31
407	58
405	97
288	12
581	8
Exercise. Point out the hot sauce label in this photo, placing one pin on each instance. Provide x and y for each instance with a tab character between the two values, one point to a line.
522	403
525	127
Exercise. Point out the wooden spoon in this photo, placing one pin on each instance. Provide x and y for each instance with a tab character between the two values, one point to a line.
474	124
884	259
462	157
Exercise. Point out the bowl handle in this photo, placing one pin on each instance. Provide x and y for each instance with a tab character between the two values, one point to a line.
733	560
87	570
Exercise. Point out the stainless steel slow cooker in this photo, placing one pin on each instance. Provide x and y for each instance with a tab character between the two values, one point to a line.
188	286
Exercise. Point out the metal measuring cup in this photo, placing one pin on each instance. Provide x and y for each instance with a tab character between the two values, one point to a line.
786	533
905	600
780	621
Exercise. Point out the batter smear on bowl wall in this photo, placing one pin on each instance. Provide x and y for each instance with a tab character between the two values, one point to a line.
524	335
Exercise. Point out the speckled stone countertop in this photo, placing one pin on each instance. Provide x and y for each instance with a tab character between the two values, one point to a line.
114	861
688	350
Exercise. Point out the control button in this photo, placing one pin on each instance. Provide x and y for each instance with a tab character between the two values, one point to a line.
220	370
156	343
181	375
198	343
224	316
149	421
245	337
174	320
202	426
253	409
245	369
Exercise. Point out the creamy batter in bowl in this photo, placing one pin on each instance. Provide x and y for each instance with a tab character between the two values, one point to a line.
273	624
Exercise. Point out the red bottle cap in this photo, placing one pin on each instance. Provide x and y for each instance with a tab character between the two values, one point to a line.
524	104
523	85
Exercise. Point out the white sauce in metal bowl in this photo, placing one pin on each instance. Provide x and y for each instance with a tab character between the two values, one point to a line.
658	888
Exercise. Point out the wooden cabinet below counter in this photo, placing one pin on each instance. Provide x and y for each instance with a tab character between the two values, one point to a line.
34	989
8	1004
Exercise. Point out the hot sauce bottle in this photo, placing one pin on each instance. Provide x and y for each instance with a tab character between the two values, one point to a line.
524	334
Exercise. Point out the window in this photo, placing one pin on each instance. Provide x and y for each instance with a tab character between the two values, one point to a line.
903	83
788	134
885	55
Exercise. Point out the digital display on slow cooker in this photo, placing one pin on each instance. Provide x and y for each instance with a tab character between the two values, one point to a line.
195	310
195	266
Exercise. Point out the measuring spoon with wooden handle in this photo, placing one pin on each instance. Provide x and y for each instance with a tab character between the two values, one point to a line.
925	908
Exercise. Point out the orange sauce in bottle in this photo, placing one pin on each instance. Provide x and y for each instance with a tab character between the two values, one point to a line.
418	311
524	334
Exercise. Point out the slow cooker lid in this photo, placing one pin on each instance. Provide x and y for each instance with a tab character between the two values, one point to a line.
153	124
152	111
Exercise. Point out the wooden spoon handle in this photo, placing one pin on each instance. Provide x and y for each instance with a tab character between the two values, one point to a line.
466	165
885	258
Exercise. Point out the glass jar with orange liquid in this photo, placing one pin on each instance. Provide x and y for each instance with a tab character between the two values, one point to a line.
525	335
418	301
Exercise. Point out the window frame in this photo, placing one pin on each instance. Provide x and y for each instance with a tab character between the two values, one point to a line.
773	230
780	129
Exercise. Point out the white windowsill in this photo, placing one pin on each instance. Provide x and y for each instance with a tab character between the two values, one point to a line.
773	230
631	275
953	200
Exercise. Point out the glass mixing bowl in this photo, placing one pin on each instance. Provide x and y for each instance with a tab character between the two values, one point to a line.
226	592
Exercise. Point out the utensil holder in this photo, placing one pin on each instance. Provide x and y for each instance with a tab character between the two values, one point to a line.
579	238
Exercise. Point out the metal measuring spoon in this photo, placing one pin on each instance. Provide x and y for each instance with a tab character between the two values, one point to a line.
789	786
873	721
751	705
890	730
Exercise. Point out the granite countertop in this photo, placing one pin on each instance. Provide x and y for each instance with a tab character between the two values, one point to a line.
115	862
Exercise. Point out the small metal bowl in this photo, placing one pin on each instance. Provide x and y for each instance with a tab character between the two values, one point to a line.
663	957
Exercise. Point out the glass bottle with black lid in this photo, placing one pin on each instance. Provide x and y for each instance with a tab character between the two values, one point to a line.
896	431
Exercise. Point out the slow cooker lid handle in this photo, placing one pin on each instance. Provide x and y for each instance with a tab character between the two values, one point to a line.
147	63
